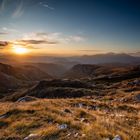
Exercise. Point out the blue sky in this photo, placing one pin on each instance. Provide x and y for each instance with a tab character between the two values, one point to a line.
72	26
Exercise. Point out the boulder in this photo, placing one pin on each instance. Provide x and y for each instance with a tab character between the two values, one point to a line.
26	99
117	137
32	137
63	126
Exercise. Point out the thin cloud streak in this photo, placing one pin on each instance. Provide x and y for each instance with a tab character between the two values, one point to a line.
59	37
33	42
3	5
46	5
19	10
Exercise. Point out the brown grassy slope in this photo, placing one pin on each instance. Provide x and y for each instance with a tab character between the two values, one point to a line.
85	120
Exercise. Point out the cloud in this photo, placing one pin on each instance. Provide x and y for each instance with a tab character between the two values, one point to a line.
3	44
77	38
7	30
33	42
3	33
55	36
60	37
19	10
48	38
3	5
41	38
46	5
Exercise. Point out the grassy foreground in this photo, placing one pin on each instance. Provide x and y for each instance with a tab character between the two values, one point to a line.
82	119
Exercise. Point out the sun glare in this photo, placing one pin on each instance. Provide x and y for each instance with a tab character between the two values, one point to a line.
20	50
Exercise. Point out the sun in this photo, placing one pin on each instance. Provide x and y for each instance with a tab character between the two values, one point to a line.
20	50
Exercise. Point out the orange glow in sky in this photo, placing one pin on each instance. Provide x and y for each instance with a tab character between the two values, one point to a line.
20	50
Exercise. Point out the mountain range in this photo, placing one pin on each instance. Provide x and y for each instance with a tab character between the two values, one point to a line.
73	60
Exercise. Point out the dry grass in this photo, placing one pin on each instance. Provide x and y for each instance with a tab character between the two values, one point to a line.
44	116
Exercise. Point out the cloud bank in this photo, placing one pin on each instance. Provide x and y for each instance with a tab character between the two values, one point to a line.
3	44
34	42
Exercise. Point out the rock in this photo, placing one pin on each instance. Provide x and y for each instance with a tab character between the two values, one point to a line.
84	120
4	116
83	135
31	137
80	105
117	137
134	83
137	82
68	135
76	135
63	126
26	99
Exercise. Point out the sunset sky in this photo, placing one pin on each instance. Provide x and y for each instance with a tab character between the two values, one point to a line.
69	27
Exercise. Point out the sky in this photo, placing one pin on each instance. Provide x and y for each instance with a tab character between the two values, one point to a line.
70	27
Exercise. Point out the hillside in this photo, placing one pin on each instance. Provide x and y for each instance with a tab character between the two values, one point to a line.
107	58
95	71
55	70
12	77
